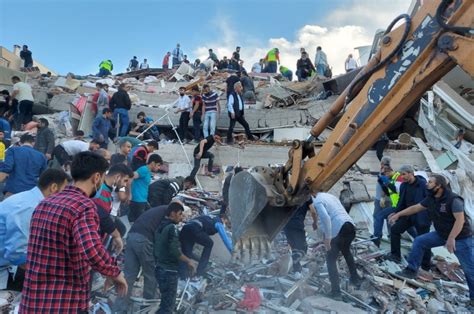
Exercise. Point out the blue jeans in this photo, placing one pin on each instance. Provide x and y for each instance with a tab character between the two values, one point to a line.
320	68
464	252
103	72
380	214
288	75
271	67
210	121
168	284
124	120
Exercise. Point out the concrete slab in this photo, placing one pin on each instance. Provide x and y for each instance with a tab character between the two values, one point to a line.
290	134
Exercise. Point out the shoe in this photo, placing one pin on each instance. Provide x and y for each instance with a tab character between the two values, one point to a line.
298	275
407	273
376	241
393	258
335	295
356	282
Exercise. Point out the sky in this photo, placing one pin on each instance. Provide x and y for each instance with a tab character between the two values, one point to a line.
76	35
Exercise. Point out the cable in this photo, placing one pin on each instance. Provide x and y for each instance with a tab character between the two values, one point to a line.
439	18
382	63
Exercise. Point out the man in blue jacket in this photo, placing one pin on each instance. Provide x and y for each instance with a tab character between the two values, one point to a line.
412	191
23	165
101	128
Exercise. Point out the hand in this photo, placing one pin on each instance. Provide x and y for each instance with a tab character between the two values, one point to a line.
392	218
451	245
117	244
232	115
315	225
120	284
192	267
327	244
191	114
198	156
48	156
177	111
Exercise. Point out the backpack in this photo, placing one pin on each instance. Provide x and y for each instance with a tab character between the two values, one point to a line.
328	72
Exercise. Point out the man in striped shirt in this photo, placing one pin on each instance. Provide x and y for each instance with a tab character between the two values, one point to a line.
211	110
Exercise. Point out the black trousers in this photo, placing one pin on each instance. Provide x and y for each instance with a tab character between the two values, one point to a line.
197	126
61	155
136	209
16	284
191	234
341	243
238	118
403	224
197	163
183	125
25	112
296	238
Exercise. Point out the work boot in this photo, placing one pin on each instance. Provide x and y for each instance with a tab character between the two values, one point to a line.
407	273
335	295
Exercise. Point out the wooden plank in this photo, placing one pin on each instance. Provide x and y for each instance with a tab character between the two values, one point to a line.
428	155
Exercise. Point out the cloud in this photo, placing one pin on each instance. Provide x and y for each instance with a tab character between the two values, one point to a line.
345	28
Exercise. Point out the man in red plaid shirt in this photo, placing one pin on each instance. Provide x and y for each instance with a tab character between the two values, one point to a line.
64	245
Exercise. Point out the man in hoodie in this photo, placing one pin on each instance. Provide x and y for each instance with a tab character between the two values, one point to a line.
44	138
168	254
121	104
412	191
101	127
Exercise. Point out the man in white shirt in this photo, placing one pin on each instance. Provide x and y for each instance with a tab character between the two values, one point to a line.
339	232
144	64
22	92
15	217
235	108
183	105
257	66
350	64
64	152
177	55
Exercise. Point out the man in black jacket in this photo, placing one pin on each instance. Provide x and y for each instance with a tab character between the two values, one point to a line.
235	108
412	191
120	104
161	192
44	139
26	56
304	67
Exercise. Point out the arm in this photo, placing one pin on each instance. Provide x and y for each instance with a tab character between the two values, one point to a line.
325	219
14	93
128	102
50	143
8	164
201	148
225	238
230	104
406	212
90	246
314	216
16	236
458	213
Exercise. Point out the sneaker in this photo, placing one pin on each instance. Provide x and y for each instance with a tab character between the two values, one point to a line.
335	295
407	273
393	258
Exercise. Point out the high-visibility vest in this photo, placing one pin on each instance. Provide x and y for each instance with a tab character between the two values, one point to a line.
394	196
272	55
106	65
283	69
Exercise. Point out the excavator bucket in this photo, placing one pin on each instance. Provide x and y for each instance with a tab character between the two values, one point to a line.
256	208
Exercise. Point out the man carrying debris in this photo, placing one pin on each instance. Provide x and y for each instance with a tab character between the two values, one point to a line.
120	104
64	245
296	235
339	232
23	165
184	106
162	191
412	191
64	152
452	229
167	256
202	151
199	230
101	127
45	139
133	65
142	178
235	108
15	217
177	55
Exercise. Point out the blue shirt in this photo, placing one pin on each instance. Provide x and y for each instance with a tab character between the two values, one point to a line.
15	217
23	165
332	214
140	185
7	130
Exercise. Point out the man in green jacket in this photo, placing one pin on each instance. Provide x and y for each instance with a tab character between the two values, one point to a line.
167	256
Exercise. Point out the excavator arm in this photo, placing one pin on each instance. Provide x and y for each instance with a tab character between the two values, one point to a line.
410	60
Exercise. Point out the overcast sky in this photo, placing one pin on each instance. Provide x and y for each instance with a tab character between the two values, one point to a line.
75	35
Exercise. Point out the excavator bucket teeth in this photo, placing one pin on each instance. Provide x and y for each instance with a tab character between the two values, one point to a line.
251	214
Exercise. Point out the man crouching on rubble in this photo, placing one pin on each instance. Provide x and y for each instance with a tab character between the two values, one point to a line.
167	255
339	232
452	229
